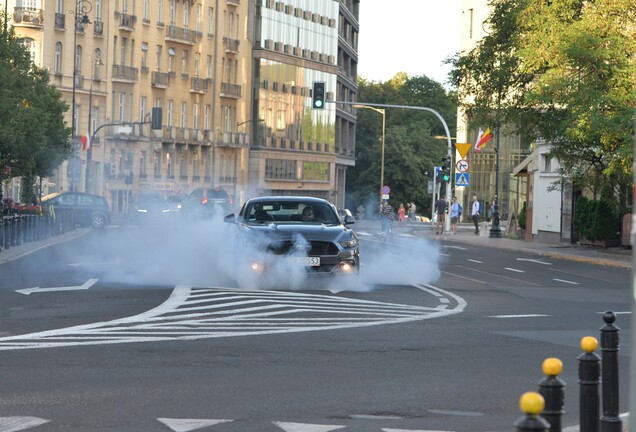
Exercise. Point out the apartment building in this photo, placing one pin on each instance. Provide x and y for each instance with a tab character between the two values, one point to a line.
232	78
300	150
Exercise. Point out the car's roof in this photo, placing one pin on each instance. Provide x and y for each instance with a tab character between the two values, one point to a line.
56	194
288	198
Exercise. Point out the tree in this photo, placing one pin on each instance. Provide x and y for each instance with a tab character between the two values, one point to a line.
411	149
33	137
563	71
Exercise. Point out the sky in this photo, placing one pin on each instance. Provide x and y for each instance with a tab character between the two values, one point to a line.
415	37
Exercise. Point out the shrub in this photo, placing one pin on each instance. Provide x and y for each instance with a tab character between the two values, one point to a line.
522	216
596	219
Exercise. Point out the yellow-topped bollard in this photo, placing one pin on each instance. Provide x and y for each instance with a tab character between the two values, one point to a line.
552	366
531	403
589	344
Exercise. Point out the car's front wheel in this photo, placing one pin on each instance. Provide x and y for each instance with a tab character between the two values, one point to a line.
98	220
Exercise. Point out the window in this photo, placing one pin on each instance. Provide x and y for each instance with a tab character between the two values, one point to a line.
208	67
96	65
159	52
122	106
142	164
547	163
144	54
206	118
173	12
169	113
98	10
197	63
184	62
171	55
280	169
122	56
170	170
198	23
142	108
78	59
59	7
157	165
159	11
146	12
57	60
186	15
210	21
184	107
195	116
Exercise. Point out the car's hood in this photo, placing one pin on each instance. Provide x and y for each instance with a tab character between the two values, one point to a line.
316	232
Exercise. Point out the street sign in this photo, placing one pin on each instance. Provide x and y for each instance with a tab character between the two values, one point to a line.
462	179
386	189
436	172
385	196
462	165
463	149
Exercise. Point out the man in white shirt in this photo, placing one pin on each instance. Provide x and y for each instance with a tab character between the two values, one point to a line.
475	214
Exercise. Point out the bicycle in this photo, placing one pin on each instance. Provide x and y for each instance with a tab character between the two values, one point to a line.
386	232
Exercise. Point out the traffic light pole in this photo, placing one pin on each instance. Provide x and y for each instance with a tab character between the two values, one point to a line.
448	136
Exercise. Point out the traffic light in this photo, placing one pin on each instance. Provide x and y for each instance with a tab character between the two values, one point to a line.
318	95
446	168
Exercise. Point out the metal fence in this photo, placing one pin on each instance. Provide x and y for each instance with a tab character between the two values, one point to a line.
18	229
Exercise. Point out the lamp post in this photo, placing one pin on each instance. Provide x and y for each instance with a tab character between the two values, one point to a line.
383	112
81	7
255	121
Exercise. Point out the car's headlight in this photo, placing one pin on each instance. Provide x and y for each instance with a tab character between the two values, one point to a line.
349	243
142	210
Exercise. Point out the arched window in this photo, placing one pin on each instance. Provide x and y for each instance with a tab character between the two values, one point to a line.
29	44
78	59
57	61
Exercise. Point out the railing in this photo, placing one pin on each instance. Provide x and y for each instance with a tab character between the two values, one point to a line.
125	72
17	229
160	79
230	90
127	22
28	16
231	45
199	85
181	34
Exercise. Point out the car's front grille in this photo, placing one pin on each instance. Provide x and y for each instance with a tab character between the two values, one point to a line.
317	248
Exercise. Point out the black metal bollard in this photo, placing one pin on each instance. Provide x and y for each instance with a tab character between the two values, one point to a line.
589	380
1	232
8	229
531	403
610	421
551	387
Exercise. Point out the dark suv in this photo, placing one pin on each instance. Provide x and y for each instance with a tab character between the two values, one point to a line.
88	209
203	203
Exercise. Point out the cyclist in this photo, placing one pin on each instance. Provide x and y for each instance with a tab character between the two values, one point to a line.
387	216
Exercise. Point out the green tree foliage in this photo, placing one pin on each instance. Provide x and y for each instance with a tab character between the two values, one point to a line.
411	149
33	137
564	71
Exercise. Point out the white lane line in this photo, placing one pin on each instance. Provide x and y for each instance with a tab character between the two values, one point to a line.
187	425
519	316
14	424
464	277
617	313
455	247
475	261
566	281
411	430
306	427
472	269
534	261
514	270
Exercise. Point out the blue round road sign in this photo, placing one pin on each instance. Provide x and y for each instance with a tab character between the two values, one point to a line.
386	189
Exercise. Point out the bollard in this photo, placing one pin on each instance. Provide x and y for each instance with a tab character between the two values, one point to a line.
551	387
531	403
589	379
610	421
1	232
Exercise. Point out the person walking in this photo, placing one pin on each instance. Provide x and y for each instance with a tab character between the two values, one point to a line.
455	213
475	214
387	216
401	213
440	208
412	209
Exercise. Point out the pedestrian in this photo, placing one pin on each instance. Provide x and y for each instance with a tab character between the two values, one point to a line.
401	213
440	208
455	213
475	214
412	209
387	215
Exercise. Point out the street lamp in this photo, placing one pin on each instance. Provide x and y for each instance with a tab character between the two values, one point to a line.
383	112
81	7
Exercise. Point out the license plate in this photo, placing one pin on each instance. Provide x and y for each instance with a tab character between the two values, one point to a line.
305	261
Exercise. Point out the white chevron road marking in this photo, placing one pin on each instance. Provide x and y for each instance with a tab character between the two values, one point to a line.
306	427
214	312
187	425
14	424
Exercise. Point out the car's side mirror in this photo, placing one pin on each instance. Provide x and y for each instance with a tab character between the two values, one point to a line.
230	218
348	220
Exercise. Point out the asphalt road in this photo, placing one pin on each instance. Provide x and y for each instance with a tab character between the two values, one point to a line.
146	331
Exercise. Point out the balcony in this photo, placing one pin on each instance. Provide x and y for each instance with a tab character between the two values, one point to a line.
231	45
127	22
27	17
230	90
160	80
181	35
198	85
125	73
234	2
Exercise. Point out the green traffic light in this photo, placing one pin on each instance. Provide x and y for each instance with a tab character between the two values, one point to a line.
446	177
318	104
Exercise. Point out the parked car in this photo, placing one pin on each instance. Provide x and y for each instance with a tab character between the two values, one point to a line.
295	232
88	209
204	203
175	202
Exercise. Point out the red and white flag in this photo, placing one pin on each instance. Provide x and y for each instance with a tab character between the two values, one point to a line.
482	139
86	141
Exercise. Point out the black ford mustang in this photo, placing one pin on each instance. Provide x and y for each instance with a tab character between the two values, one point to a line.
295	235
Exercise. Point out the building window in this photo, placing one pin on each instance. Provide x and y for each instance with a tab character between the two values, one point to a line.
169	165
146	12
57	61
280	169
78	59
169	113
171	55
184	62
160	12
547	163
208	67
157	165
206	118
184	107
142	164
144	54
210	21
159	51
195	116
142	109
122	106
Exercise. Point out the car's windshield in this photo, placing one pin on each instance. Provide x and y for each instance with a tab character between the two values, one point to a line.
290	212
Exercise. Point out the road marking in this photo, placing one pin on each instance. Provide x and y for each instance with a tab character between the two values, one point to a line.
534	261
411	430
187	425
496	275
519	316
566	281
86	285
306	427
464	277
475	261
212	312
14	424
455	247
514	270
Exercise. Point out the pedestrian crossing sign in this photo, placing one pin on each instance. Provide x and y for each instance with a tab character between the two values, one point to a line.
462	179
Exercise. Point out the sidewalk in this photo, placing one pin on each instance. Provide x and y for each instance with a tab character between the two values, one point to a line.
15	252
